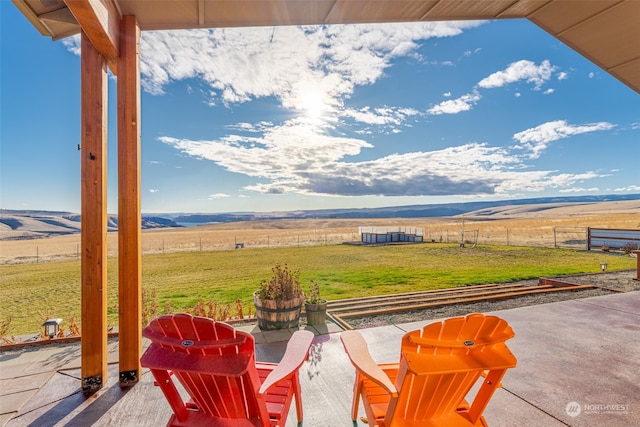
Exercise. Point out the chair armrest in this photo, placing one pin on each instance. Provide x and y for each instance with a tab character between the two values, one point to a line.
294	356
358	352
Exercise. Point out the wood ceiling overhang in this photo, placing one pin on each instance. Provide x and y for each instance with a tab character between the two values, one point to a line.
607	32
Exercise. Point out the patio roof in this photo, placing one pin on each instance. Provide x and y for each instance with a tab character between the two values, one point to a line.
606	31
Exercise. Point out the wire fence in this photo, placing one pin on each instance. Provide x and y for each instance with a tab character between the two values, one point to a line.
188	240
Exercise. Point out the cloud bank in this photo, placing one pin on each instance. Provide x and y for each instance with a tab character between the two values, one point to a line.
313	71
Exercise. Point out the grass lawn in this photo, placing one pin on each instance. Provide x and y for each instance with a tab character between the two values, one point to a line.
30	293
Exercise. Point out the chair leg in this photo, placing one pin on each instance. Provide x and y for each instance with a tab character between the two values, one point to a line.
297	394
357	389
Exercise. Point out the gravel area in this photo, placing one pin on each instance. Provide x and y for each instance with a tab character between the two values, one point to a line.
607	283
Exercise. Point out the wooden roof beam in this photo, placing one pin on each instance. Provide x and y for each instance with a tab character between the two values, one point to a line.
100	21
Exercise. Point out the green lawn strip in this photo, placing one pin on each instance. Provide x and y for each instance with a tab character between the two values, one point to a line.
30	292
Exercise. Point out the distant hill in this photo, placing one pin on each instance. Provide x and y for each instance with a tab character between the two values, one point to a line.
22	224
412	211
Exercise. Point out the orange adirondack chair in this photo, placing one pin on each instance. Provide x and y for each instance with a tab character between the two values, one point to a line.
438	366
215	364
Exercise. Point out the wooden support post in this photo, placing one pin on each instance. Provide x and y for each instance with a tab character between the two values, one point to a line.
93	192
129	211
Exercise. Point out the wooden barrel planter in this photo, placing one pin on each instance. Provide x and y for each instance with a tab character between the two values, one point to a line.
272	314
316	313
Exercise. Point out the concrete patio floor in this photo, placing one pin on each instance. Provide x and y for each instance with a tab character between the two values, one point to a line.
578	365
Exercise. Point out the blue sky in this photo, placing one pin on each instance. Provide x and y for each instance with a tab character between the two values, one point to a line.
269	119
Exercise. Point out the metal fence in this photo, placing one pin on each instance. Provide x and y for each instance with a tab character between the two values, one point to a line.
582	238
612	238
570	237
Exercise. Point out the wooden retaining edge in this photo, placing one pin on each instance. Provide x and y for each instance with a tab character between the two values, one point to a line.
406	294
338	320
556	283
561	283
465	300
445	298
444	291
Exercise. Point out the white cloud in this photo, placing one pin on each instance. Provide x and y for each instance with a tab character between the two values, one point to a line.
580	190
455	106
247	63
250	127
629	188
564	179
218	196
290	159
520	70
563	76
72	44
380	116
153	190
538	138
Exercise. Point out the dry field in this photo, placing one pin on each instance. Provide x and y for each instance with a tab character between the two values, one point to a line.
545	225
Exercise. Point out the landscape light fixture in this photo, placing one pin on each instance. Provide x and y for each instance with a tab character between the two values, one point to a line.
52	327
603	266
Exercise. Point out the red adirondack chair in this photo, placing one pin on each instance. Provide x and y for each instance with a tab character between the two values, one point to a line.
215	364
438	366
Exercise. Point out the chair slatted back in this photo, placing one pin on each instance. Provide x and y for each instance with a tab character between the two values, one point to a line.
214	362
439	365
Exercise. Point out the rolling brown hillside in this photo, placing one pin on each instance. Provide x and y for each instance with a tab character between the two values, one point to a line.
524	225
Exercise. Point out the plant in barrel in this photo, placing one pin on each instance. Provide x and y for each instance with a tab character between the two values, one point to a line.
315	306
279	300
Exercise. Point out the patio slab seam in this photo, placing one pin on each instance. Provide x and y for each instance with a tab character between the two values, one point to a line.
536	407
